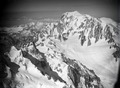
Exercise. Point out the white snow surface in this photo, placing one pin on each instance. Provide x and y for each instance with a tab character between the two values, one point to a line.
97	57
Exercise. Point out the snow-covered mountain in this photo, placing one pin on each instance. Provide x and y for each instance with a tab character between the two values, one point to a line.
79	51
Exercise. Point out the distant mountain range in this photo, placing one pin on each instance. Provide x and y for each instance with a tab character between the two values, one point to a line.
78	51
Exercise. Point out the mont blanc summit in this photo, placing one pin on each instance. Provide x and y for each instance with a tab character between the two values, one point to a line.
78	51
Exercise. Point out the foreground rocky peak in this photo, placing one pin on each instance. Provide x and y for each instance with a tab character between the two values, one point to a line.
59	54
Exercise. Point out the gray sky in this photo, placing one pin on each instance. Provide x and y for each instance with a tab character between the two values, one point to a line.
54	8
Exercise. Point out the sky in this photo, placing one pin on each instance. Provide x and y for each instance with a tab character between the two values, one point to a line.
55	8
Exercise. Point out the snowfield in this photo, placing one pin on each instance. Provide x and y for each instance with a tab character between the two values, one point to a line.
97	57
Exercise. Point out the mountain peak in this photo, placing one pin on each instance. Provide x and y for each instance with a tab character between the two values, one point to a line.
73	13
109	21
71	53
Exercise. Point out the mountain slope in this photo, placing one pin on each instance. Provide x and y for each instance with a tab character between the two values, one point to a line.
79	51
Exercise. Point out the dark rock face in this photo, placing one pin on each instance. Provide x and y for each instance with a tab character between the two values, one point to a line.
74	76
116	54
75	72
5	61
43	66
6	42
64	36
